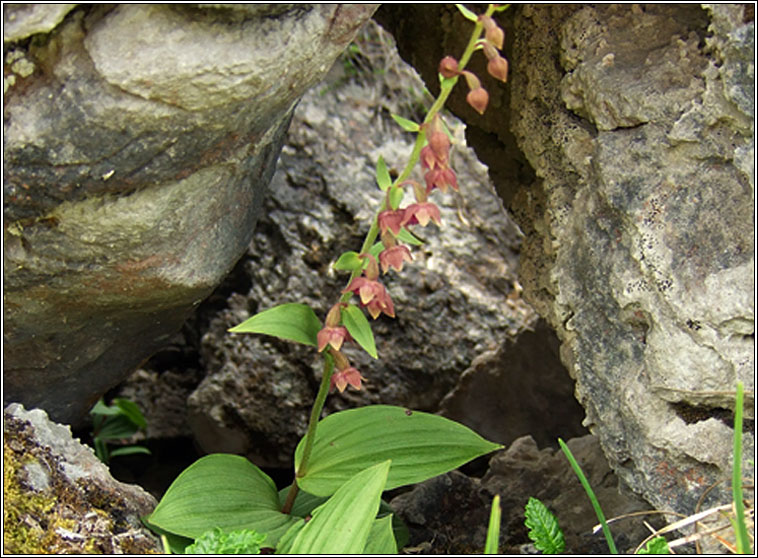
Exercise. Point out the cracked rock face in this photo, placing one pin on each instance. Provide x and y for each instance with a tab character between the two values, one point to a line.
139	140
623	145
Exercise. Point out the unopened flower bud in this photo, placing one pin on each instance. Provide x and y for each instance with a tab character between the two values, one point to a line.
449	67
440	144
478	99
492	33
498	68
495	36
334	315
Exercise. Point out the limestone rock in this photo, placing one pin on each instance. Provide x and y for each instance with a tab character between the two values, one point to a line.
59	498
623	145
139	142
450	301
22	20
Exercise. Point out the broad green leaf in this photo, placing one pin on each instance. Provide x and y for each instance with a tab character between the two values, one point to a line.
216	541
101	408
396	197
657	545
130	450
292	321
116	428
381	539
221	490
349	261
382	175
420	446
285	541
468	14
543	528
131	411
399	528
405	124
304	503
342	524
493	530
176	543
406	236
356	323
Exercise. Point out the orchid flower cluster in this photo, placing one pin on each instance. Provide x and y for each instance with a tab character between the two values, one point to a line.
433	149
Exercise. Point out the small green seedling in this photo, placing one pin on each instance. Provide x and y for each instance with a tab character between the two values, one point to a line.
244	541
543	528
116	422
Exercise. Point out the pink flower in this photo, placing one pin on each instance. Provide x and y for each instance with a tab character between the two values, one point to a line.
428	158
341	379
440	145
394	257
390	219
333	336
373	296
441	178
421	213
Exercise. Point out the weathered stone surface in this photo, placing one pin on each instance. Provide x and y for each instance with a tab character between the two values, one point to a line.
132	183
449	514
451	301
517	390
59	498
623	145
22	20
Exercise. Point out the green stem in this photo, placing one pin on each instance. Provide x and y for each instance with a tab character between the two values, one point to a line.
310	436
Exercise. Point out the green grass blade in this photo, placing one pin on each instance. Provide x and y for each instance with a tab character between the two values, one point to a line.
591	495
743	540
493	530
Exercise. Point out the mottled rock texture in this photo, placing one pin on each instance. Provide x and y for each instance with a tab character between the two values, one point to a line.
58	498
138	143
623	146
452	302
519	389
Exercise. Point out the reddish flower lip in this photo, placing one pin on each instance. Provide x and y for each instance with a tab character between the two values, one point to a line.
343	378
